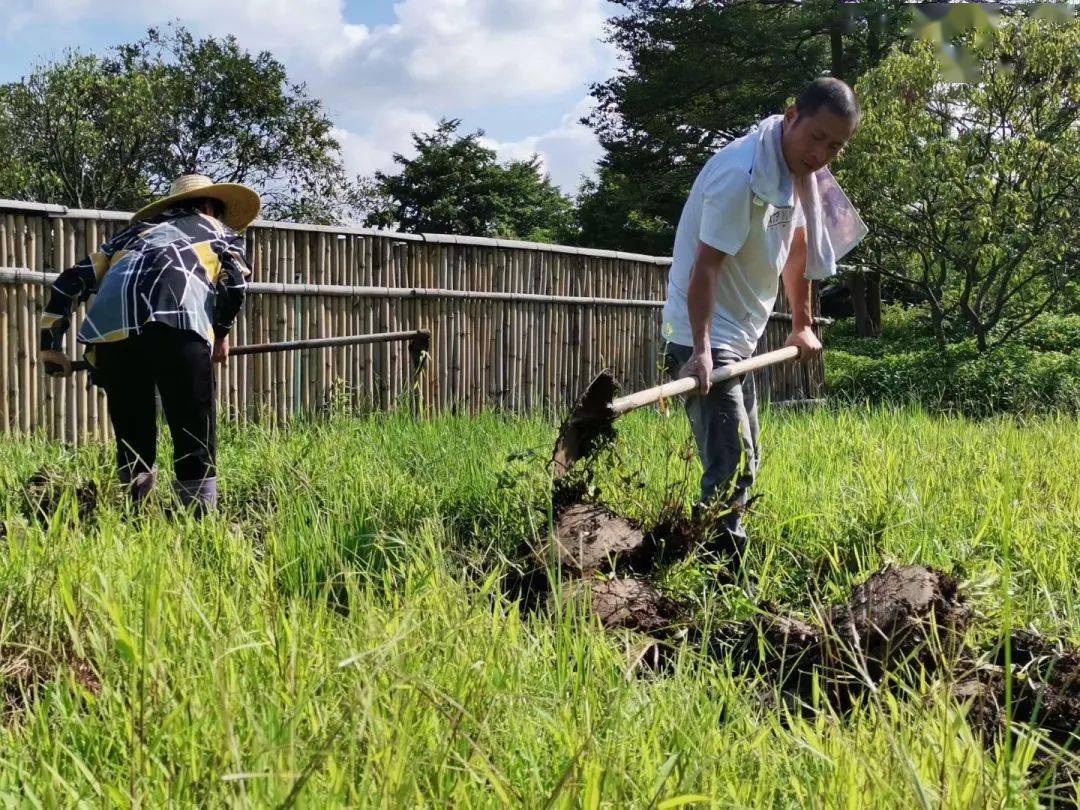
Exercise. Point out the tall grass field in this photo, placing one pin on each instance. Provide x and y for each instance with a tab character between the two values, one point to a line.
337	634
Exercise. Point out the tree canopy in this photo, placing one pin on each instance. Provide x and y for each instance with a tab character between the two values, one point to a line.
972	189
697	74
454	184
113	131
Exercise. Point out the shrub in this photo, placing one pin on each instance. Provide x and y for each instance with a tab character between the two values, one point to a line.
1015	379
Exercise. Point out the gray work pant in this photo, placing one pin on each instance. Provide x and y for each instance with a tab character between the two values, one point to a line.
725	426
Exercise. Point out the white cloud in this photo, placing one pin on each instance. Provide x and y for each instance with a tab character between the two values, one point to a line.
381	82
567	152
372	150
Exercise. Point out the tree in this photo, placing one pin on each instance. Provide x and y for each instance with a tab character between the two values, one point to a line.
236	117
973	189
698	74
113	131
79	132
456	185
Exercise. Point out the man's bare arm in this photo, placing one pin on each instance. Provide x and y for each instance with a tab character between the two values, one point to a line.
798	290
700	303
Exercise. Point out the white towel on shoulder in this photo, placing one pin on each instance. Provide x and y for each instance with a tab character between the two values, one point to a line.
833	226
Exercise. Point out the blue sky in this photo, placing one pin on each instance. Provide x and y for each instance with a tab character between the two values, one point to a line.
518	69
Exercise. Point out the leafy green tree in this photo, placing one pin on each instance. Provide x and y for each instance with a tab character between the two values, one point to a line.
972	190
113	131
698	74
236	117
79	132
456	185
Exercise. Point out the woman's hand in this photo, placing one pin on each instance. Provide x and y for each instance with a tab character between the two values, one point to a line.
221	349
56	363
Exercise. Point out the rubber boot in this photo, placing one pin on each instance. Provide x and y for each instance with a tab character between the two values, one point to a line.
139	486
201	495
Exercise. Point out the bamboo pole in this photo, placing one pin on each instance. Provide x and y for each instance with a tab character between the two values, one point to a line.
393	357
312	360
355	265
387	271
414	319
476	337
73	401
7	347
255	335
282	377
303	358
488	401
377	248
502	359
563	281
45	386
453	327
334	317
25	385
322	329
531	394
517	265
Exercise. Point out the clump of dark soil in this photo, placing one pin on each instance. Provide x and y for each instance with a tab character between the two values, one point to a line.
1043	694
901	618
1045	688
632	604
902	622
588	538
24	678
44	490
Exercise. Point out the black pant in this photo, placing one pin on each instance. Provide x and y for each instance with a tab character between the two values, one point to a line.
176	362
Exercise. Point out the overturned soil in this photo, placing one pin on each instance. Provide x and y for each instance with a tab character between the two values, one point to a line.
631	604
899	619
23	679
901	623
1045	689
44	490
588	539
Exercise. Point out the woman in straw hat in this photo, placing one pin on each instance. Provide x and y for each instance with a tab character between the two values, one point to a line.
166	292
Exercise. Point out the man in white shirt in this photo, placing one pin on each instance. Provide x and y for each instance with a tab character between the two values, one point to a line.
731	248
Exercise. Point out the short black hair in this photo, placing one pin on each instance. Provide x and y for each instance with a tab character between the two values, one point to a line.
833	94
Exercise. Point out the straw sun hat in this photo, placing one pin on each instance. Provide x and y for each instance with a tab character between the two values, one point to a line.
242	204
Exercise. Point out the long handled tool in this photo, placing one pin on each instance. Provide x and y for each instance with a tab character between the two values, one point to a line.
419	344
591	421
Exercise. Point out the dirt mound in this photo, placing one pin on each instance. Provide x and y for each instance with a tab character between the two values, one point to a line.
44	489
590	538
895	615
23	678
1041	693
902	622
635	604
899	618
1045	689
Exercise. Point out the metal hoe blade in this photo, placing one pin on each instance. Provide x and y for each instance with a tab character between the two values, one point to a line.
589	426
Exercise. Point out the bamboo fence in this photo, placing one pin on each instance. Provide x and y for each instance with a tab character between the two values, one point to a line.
514	325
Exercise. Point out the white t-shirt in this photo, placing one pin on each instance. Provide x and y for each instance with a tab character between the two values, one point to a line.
724	213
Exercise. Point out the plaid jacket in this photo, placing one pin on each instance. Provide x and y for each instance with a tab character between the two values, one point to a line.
181	268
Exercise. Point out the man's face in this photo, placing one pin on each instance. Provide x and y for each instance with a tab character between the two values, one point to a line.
812	141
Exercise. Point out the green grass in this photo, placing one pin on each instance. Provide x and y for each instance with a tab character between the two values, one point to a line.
337	635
